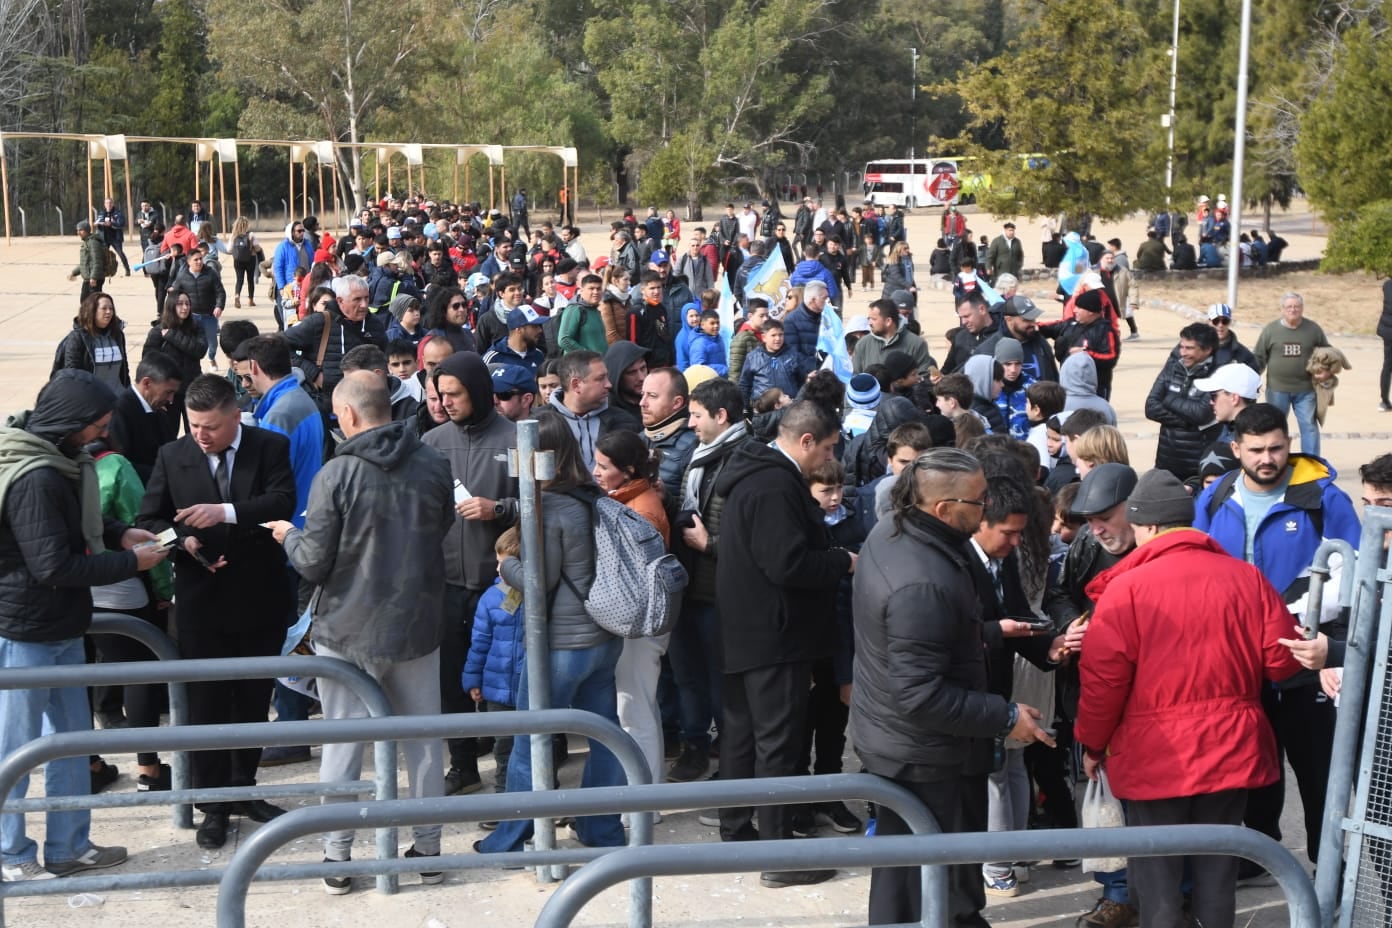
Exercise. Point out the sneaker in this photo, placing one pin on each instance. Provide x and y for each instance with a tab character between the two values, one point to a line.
488	826
280	755
460	782
782	878
103	776
1134	337
691	764
428	877
1109	914
838	817
803	824
1002	886
112	720
96	858
1384	407
1250	874
337	885
710	818
28	870
156	784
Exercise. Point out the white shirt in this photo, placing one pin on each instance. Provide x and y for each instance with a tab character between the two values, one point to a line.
143	405
229	512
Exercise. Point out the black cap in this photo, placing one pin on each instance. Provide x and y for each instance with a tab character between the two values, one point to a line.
1104	487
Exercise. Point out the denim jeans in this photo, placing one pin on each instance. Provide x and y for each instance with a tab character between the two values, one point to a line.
27	715
696	663
580	679
1304	404
209	322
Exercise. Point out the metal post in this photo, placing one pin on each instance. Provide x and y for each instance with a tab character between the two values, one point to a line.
913	107
23	222
61	230
1239	153
1174	81
532	466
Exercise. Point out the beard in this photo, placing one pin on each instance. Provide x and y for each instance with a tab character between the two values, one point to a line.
1264	477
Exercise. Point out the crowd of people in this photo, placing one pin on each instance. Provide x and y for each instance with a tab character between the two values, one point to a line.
953	565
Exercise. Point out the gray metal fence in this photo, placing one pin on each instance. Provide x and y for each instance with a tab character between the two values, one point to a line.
1358	805
247	866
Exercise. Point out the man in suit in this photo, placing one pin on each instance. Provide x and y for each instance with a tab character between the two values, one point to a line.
139	423
1006	255
215	486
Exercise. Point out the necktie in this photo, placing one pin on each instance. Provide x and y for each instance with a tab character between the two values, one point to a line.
222	475
995	568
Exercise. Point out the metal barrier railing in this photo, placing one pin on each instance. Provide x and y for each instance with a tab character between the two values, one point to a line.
164	649
917	850
383	731
246	866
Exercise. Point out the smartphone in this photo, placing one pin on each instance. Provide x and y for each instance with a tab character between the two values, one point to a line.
198	556
1036	624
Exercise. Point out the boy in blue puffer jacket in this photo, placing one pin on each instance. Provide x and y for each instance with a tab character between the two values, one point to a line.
493	669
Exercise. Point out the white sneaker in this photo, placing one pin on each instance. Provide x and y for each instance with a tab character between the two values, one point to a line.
29	870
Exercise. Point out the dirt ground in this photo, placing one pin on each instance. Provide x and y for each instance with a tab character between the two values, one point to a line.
37	310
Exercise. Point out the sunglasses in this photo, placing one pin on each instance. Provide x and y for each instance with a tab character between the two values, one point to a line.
1222	321
458	306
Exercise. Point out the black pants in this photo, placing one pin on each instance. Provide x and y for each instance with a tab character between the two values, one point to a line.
226	701
1157	881
460	603
1385	378
246	272
88	289
826	722
502	749
1303	718
161	282
764	713
142	702
1052	773
118	246
959	806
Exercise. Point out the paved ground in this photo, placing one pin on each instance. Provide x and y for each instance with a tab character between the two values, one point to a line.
37	310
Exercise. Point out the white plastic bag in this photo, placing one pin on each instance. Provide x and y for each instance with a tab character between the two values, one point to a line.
1101	809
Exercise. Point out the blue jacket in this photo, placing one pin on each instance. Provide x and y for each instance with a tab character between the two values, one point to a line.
812	269
288	409
1286	540
285	260
1011	404
497	651
683	343
395	333
502	353
710	351
762	371
801	329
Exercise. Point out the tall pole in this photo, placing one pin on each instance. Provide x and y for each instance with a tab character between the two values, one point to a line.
1239	154
913	107
1174	81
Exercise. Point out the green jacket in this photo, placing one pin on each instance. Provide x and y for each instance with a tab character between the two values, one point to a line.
91	259
121	493
582	329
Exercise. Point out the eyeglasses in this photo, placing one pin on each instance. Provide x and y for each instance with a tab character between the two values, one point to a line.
458	306
967	502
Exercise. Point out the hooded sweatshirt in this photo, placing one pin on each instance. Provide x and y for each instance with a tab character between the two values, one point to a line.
289	256
477	449
980	370
618	359
1078	377
384	498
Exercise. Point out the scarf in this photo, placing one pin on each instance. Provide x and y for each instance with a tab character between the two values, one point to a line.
667	427
703	456
22	452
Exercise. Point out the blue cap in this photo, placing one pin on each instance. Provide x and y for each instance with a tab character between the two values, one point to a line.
509	378
658	257
522	315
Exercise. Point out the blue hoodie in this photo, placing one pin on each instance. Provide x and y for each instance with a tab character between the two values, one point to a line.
288	409
683	340
812	269
710	351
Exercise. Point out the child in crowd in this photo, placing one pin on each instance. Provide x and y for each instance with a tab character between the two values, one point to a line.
401	362
748	334
771	400
844	511
706	347
871	257
1044	399
405	324
548	379
905	444
770	365
493	669
691	327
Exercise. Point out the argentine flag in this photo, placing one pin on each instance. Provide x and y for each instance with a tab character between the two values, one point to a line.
1075	262
831	339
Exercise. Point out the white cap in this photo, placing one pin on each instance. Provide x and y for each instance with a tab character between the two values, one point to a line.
1236	378
857	324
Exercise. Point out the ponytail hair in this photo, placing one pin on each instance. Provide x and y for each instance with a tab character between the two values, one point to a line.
632	455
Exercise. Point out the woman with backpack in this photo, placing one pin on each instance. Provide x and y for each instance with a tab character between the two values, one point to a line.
178	335
96	344
583	656
246	256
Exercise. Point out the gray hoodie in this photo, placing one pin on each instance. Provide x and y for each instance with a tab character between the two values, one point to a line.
1078	377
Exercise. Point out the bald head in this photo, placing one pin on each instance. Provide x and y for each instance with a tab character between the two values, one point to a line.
361	402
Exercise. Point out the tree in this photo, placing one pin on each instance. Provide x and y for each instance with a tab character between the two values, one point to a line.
1086	91
175	111
1364	244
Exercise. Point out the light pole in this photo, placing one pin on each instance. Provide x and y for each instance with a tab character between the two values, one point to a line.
1239	154
1170	117
913	106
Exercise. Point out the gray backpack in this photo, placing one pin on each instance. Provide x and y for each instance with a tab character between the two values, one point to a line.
637	587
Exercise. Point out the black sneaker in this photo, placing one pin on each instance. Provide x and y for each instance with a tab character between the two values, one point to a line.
459	782
428	877
337	885
838	817
691	764
103	776
160	783
781	878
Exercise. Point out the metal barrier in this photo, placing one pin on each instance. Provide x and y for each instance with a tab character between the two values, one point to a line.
1362	747
253	853
384	731
1167	841
164	649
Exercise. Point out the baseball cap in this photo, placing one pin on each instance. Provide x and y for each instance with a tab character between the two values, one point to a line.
1235	378
903	299
1104	487
1219	311
386	258
394	232
510	378
522	315
1021	306
658	257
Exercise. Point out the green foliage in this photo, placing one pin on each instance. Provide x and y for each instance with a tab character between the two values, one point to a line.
1084	88
1345	148
1364	244
176	108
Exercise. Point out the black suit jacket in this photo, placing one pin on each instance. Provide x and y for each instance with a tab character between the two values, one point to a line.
138	434
1001	651
253	590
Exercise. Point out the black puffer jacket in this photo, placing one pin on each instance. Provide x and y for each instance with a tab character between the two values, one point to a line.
204	291
78	351
920	709
866	456
1185	414
185	345
344	337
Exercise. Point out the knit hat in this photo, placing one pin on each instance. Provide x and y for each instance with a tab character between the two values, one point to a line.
1091	301
1159	499
400	303
1009	351
897	364
698	374
863	391
352	263
1217	460
1104	487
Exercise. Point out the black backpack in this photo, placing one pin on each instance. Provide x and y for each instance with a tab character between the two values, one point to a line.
241	249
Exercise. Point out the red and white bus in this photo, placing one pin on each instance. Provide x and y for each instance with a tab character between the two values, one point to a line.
906	184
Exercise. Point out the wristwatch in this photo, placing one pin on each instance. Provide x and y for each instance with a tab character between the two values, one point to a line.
499	509
1011	719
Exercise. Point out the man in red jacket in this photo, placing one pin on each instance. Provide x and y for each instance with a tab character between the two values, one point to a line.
1172	667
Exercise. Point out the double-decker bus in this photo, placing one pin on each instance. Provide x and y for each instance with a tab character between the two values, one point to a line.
908	183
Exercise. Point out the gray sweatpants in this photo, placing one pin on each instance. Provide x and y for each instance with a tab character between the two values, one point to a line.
413	689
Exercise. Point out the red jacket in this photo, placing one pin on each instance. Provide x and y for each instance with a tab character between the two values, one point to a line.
1172	668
